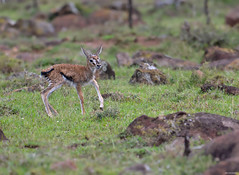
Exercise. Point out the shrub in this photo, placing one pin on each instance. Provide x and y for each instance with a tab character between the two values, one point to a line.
9	65
203	36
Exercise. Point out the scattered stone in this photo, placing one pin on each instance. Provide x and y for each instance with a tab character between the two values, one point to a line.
225	64
2	136
232	18
76	145
226	149
55	42
156	131
66	9
37	28
140	61
106	71
123	59
229	166
70	21
227	89
208	87
31	146
6	28
217	53
164	60
148	66
234	65
106	15
67	164
148	76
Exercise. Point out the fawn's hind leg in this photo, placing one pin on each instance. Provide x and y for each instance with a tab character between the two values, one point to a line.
80	95
45	94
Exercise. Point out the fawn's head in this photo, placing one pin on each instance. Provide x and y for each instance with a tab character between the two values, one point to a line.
93	60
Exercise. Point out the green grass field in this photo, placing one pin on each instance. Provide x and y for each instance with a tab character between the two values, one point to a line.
92	141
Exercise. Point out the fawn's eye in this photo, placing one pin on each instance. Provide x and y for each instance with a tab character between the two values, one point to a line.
91	61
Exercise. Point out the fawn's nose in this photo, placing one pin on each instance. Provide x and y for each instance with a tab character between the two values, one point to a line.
98	66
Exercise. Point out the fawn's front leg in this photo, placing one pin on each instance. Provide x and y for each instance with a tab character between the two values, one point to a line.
94	82
80	95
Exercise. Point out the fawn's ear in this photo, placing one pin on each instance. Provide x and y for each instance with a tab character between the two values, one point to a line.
87	54
99	51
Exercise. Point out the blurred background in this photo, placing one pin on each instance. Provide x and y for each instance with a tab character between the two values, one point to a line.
32	31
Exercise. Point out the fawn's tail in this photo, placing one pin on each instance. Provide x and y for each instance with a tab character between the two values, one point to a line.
45	72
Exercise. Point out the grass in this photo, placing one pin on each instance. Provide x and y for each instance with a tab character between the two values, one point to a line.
92	141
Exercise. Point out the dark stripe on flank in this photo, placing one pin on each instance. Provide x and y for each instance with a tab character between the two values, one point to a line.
67	77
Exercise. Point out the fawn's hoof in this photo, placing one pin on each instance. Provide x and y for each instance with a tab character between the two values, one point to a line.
101	108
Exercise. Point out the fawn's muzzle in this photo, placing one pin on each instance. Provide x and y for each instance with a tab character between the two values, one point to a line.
98	66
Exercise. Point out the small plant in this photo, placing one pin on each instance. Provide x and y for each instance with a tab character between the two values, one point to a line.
108	112
9	65
7	110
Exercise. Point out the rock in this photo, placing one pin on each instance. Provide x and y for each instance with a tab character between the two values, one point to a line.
141	61
208	87
56	42
105	15
232	18
162	129
102	16
6	29
164	60
148	76
70	21
31	27
67	164
119	5
31	146
2	136
233	65
229	166
123	59
226	149
66	9
225	64
227	89
106	71
217	53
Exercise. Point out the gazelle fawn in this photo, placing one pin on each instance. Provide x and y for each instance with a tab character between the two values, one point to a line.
76	75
